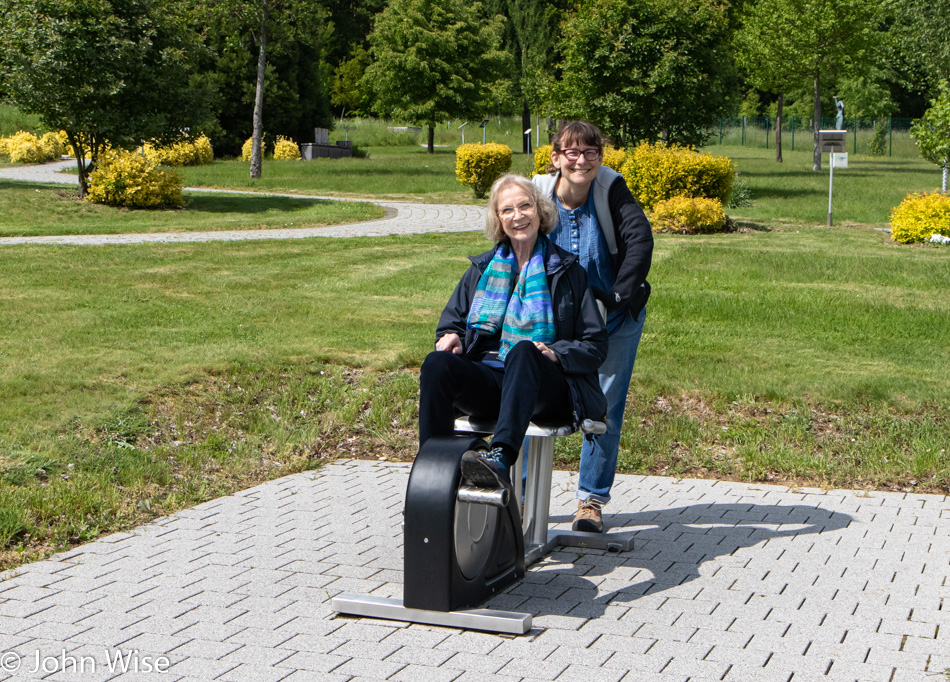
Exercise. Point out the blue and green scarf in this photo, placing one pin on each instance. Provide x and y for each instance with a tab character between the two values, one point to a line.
522	310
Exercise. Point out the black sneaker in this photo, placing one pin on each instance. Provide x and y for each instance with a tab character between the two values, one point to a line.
485	469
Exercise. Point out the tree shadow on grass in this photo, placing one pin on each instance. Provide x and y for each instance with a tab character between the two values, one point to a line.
216	203
671	545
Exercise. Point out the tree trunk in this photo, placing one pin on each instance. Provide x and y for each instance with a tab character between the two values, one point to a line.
778	127
431	148
80	152
816	154
258	131
525	124
946	171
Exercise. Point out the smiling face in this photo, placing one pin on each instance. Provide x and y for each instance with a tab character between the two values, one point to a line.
519	216
580	171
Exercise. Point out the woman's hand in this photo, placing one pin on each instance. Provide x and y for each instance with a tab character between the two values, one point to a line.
547	352
450	342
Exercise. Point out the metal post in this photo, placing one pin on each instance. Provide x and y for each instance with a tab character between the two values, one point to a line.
890	135
720	130
854	145
831	181
743	131
793	133
766	132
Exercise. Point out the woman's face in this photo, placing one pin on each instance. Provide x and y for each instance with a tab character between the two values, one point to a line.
579	171
519	215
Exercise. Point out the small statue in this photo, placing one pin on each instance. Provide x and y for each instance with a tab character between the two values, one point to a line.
839	117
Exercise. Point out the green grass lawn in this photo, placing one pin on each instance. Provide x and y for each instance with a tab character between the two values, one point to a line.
31	210
396	173
139	379
792	192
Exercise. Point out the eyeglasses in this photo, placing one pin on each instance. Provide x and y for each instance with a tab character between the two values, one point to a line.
508	212
572	154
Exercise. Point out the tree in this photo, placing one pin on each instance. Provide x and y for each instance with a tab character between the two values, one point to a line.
932	132
647	68
434	61
919	41
267	22
348	92
105	71
808	39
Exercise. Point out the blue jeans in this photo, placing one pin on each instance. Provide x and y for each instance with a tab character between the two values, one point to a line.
599	453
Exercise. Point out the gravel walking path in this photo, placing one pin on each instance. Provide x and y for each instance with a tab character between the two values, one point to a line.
401	218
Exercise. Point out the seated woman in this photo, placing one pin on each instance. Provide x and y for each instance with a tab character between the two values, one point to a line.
520	339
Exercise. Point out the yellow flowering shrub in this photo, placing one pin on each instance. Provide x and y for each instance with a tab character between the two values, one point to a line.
542	158
182	153
688	215
919	216
285	149
25	147
246	149
479	165
131	180
657	172
614	158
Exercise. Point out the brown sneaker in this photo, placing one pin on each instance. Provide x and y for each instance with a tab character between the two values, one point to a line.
589	518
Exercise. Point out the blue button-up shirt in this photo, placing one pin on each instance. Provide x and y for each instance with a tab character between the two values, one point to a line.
579	232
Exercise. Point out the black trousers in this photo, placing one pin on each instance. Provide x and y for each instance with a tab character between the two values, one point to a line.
530	387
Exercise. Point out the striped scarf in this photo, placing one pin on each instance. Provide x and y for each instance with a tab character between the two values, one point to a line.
522	309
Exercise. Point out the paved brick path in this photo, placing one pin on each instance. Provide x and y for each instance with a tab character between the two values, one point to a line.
402	218
727	582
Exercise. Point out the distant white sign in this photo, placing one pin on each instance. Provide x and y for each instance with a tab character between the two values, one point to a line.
840	159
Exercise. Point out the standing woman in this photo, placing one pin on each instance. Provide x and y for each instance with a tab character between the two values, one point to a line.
601	223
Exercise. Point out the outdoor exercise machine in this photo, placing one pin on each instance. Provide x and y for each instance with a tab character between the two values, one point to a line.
463	544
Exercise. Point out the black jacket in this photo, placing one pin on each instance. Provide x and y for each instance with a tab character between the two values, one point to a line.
580	336
628	234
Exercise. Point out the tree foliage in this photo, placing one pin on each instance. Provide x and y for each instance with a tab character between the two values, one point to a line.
919	41
434	60
932	132
105	71
647	68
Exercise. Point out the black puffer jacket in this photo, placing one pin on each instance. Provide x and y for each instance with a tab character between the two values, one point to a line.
580	336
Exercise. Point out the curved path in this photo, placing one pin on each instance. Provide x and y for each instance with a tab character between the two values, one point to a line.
401	218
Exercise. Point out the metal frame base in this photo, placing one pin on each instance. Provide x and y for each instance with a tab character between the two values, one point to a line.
487	620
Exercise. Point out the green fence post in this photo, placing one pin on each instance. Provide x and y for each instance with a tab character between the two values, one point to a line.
766	132
743	131
854	145
793	133
890	135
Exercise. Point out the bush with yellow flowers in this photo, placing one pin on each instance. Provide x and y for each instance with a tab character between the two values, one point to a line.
285	149
246	149
542	158
182	153
479	165
656	171
131	180
919	216
614	158
688	215
25	147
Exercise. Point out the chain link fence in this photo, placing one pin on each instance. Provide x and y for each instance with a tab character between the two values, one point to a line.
885	137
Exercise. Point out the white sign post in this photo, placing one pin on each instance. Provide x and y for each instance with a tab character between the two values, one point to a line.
830	142
462	128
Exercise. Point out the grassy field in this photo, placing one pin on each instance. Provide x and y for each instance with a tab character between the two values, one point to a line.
31	210
792	192
139	379
395	173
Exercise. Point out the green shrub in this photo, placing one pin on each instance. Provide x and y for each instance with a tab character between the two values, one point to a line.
479	165
657	172
919	216
129	179
286	150
878	144
688	215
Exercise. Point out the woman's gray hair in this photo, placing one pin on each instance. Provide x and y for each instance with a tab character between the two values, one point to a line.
547	212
